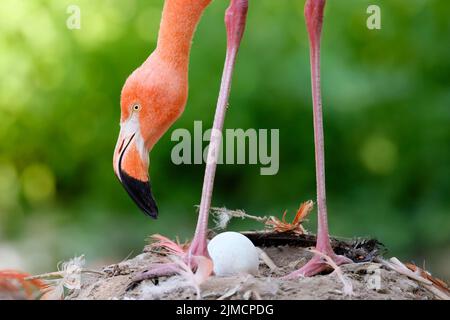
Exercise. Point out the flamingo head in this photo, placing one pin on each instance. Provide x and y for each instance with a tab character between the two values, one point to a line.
151	100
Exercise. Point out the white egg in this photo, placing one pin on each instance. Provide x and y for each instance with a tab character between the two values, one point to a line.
233	253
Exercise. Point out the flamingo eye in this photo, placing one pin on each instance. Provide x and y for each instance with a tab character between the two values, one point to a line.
136	107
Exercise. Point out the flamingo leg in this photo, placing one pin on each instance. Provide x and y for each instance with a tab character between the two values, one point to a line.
235	19
314	19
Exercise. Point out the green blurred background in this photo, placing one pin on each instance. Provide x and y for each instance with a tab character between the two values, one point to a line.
386	112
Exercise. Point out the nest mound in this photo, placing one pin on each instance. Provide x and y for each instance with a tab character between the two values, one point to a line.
369	279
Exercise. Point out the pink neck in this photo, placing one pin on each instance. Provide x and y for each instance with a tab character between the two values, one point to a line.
178	24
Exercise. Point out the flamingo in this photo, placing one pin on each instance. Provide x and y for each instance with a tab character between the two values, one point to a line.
153	98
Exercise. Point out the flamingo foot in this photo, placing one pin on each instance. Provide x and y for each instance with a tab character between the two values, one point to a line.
317	265
189	255
155	271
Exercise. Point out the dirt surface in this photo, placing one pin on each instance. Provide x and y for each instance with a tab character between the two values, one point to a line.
368	280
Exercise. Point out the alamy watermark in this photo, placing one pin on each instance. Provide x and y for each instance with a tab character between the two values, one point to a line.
73	22
374	20
373	278
236	146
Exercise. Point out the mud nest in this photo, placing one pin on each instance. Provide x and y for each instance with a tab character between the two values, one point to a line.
368	278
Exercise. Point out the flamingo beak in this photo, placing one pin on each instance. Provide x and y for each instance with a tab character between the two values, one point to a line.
131	167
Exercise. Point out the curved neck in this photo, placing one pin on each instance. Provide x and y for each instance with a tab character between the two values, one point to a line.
178	24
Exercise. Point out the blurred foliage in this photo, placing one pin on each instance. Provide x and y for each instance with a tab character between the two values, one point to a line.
386	112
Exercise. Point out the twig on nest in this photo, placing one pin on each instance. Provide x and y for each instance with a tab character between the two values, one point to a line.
435	286
266	259
438	283
222	217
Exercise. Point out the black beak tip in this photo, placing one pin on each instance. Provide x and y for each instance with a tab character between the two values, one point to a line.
141	193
